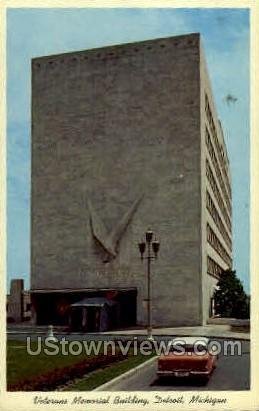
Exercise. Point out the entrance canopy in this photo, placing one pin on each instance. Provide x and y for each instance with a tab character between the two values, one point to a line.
93	314
93	302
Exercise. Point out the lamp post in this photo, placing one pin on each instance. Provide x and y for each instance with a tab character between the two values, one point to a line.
155	248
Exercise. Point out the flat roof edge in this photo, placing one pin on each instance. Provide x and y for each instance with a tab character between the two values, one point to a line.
116	46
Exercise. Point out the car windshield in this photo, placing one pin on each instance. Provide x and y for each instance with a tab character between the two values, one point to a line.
183	348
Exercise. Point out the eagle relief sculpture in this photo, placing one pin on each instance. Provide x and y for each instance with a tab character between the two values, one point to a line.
109	241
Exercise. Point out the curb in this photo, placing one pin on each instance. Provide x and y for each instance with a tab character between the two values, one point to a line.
108	385
235	336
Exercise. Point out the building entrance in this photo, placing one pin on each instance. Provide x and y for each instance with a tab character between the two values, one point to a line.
86	310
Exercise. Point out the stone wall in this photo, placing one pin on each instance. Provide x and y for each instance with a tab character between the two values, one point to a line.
115	128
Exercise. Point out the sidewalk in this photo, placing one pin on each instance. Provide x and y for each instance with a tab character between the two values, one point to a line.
210	330
216	331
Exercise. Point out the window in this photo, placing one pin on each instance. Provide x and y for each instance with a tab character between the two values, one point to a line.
217	246
217	194
217	219
219	148
213	268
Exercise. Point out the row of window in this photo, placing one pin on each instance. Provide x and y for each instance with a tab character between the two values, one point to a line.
221	154
216	166
213	268
217	245
216	191
217	219
226	179
219	148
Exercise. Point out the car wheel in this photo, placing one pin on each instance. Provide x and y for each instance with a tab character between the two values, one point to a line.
205	379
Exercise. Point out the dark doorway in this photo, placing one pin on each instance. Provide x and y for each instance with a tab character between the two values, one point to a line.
55	308
76	319
93	319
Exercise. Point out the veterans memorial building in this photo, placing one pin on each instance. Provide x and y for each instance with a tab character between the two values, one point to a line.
125	138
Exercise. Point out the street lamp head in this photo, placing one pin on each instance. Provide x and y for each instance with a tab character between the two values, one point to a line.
149	235
142	247
155	247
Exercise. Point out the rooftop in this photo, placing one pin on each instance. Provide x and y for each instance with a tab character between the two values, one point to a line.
109	50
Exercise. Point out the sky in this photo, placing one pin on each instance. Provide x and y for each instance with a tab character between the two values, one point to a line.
37	32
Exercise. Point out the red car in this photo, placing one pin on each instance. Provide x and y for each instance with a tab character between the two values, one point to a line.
187	357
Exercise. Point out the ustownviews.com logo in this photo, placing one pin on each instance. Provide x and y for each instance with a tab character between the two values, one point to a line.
134	346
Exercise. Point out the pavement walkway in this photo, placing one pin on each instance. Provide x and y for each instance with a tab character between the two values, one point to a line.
210	330
217	331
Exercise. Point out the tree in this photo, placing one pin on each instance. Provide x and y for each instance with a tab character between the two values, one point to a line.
230	297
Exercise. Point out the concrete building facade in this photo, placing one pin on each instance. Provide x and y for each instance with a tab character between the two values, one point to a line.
124	138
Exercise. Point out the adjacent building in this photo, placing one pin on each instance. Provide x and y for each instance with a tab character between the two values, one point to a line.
124	138
18	303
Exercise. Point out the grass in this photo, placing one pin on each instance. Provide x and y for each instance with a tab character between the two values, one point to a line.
99	377
21	365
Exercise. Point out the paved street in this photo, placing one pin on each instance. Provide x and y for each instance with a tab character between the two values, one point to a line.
232	373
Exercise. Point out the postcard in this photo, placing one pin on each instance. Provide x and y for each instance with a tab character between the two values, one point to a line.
129	188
